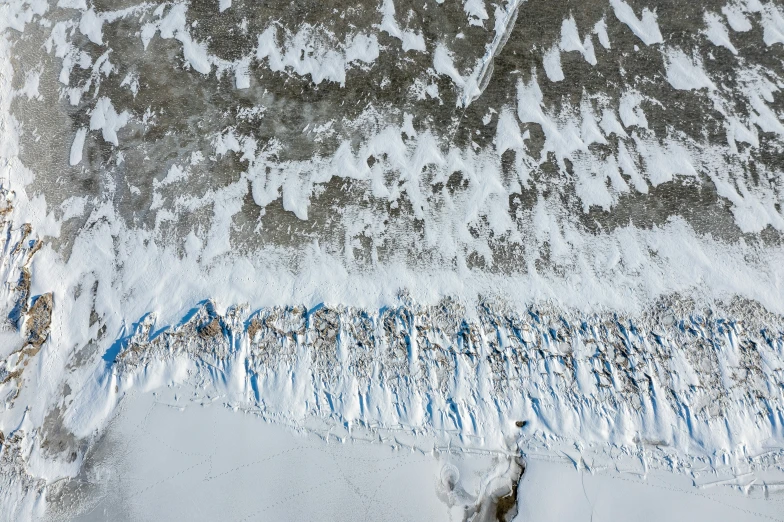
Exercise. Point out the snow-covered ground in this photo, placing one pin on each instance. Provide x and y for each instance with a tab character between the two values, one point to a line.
396	260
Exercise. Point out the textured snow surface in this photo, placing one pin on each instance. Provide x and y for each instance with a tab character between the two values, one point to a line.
479	246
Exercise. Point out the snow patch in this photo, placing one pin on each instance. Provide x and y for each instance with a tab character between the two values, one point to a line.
475	9
645	28
717	33
106	119
15	14
305	55
630	111
411	41
77	146
72	4
552	64
736	18
570	41
600	29
685	73
91	25
31	84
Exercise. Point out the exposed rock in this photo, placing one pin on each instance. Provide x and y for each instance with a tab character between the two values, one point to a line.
211	329
39	320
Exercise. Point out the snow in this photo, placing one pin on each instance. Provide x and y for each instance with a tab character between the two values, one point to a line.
664	161
132	82
736	18
411	41
30	87
773	25
764	117
553	490
570	41
476	11
589	129
645	28
242	74
592	189
362	49
600	28
77	146
191	448
508	136
90	25
717	33
443	65
15	14
685	73
72	4
408	126
552	64
106	119
174	175
630	111
318	62
173	25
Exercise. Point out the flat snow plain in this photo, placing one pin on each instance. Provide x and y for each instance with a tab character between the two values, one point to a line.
168	457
